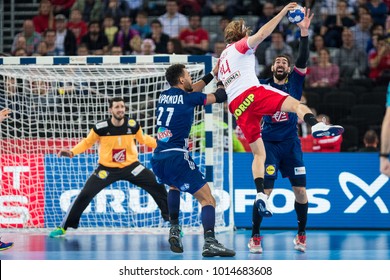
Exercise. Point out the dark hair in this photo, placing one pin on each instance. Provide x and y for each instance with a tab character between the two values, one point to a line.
370	137
155	21
114	99
286	56
173	73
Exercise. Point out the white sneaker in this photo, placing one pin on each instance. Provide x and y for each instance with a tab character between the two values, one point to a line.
254	244
262	205
320	130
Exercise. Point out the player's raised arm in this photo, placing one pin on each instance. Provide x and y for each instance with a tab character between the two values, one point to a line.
269	27
199	85
219	96
303	51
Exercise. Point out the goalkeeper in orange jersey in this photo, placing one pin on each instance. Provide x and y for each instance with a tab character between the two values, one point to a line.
118	160
4	114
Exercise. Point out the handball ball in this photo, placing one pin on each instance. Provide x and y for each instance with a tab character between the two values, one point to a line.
296	15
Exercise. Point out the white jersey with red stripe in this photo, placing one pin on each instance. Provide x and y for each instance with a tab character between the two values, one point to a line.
237	68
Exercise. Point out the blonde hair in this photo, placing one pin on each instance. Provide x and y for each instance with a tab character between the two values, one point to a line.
236	30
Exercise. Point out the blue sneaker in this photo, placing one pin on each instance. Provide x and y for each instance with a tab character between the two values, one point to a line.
321	129
5	246
262	205
58	232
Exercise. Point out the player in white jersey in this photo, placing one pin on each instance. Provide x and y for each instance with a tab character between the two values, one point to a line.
249	101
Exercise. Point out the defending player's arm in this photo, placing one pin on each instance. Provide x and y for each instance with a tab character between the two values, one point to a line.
303	51
219	96
81	147
269	27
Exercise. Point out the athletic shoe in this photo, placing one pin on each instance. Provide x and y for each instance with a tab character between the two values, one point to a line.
58	232
212	248
5	246
300	242
175	235
321	129
254	244
262	205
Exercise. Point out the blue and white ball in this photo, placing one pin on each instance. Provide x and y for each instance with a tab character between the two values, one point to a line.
296	15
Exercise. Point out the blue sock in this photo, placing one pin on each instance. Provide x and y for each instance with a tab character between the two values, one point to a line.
174	206
208	220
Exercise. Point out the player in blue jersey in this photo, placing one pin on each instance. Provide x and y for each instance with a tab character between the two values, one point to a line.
281	142
385	138
171	161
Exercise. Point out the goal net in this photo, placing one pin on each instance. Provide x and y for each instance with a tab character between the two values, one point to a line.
55	101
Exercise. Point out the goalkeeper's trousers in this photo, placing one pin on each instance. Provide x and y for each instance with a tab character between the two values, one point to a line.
102	177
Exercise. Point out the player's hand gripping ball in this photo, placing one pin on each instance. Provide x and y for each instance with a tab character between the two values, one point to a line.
296	15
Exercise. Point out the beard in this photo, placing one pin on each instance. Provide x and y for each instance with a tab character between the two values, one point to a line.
118	117
188	87
280	76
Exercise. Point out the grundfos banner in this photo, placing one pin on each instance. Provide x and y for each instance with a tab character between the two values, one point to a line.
345	190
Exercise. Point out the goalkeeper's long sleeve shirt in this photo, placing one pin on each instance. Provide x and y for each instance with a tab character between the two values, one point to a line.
117	147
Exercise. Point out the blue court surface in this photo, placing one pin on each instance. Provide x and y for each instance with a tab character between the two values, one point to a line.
277	245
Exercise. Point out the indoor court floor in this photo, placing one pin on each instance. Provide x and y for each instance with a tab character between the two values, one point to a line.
277	245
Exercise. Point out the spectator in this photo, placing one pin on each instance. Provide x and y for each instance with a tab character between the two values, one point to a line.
135	45
125	34
351	61
116	50
31	36
141	24
327	144
41	49
91	10
82	50
117	9
160	39
277	47
222	8
378	11
21	43
317	45
174	46
223	22
375	31
362	31
109	28
77	25
148	47
62	6
49	36
379	62
134	7
194	39
20	52
315	8
325	73
371	142
66	41
45	17
173	21
219	46
334	24
95	39
188	7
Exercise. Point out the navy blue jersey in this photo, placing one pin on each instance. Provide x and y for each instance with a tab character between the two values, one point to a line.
175	114
282	125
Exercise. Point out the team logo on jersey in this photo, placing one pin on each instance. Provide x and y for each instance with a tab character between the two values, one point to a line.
270	169
244	105
280	117
185	187
232	78
119	155
163	134
131	123
102	174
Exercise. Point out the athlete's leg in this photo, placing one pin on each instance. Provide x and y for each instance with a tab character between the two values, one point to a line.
301	206
175	233
211	247
92	187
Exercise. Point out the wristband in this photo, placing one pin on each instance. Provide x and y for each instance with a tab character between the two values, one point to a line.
386	155
219	84
208	78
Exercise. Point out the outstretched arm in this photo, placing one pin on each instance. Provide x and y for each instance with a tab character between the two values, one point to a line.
269	27
303	51
81	147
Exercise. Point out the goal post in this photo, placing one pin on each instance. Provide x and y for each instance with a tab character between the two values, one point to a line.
55	101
